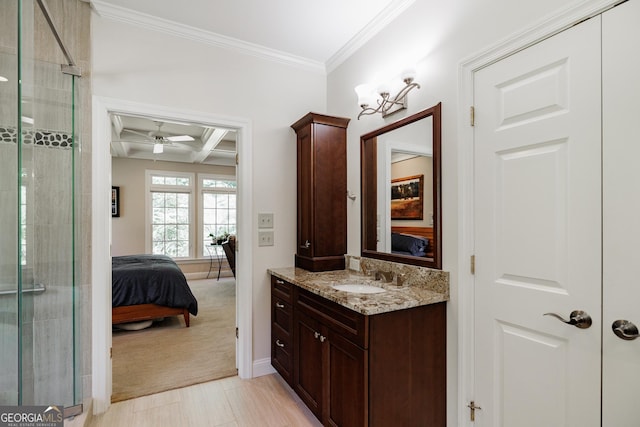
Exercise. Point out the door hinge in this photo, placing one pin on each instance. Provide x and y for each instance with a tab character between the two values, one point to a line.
237	333
110	352
472	264
472	409
472	115
237	162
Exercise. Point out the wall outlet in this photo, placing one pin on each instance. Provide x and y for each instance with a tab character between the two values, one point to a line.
265	220
354	264
265	238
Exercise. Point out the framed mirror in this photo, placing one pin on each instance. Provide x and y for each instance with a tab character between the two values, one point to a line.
401	186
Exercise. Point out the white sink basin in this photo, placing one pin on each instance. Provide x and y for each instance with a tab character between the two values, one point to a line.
359	289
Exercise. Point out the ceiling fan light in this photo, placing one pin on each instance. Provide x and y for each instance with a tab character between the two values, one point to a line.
158	148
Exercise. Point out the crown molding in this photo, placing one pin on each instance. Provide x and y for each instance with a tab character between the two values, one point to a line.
381	20
143	20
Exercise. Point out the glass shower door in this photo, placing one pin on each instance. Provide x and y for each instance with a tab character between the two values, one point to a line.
38	293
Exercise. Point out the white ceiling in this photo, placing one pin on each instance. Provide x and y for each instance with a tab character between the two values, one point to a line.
321	34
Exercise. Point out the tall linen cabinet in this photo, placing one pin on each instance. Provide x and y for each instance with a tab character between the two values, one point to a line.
322	192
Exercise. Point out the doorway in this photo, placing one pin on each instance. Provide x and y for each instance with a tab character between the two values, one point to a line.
101	233
176	196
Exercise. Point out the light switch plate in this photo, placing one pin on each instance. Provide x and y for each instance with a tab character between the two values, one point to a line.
265	238
265	220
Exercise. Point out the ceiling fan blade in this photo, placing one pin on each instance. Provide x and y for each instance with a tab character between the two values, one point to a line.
179	138
135	132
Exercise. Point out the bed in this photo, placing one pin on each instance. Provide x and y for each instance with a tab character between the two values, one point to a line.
146	287
414	241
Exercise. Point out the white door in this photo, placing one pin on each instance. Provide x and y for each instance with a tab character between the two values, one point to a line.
621	212
537	233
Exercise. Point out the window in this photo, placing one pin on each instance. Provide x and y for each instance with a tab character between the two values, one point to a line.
170	213
218	209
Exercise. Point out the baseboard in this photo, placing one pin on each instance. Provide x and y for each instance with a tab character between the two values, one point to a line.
262	367
203	275
83	419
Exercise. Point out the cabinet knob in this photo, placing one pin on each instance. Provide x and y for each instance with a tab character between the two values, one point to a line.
323	338
316	335
306	245
278	305
279	344
279	282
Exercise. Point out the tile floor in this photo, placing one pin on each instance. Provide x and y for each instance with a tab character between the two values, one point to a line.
231	402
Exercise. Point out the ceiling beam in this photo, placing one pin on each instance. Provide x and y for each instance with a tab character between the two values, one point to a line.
211	142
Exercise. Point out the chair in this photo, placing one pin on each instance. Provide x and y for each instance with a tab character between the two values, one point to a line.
229	248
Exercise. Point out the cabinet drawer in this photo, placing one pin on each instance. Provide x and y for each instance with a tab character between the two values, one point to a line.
281	352
282	289
281	313
350	324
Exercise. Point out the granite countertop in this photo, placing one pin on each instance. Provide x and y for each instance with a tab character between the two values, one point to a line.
425	289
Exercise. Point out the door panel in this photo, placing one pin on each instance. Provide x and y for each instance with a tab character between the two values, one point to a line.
538	245
621	212
308	363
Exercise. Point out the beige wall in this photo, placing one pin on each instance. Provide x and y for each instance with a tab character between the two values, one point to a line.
128	230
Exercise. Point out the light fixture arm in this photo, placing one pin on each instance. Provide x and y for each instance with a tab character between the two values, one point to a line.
386	103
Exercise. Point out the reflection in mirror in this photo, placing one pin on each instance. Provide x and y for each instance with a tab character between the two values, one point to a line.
401	191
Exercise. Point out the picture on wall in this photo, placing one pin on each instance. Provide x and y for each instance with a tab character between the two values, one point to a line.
115	201
407	197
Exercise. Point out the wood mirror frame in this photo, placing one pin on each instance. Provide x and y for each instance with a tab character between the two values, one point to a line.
369	175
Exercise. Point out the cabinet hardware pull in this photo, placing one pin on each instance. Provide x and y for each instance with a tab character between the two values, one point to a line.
316	335
278	305
279	282
322	338
306	245
279	344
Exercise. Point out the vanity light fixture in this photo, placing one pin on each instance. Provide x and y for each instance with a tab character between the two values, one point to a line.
386	103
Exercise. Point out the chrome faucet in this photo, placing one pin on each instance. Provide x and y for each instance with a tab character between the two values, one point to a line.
400	278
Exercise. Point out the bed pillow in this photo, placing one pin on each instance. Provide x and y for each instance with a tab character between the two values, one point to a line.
416	246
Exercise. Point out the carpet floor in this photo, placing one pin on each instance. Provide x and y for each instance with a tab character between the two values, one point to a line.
168	355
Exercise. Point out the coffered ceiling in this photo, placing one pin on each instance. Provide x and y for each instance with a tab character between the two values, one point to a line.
135	137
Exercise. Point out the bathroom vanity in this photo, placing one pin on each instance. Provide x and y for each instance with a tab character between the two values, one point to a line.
363	359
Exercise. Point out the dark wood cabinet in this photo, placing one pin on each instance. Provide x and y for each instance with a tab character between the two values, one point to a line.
354	370
322	192
308	374
282	328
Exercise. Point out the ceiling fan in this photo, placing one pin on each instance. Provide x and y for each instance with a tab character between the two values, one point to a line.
159	138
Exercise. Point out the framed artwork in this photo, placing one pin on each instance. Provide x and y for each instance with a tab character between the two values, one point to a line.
407	197
115	201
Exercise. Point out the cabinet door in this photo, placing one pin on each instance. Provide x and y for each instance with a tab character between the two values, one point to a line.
305	192
347	393
308	362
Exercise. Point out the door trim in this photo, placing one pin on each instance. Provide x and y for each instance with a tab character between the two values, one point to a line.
101	236
543	29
